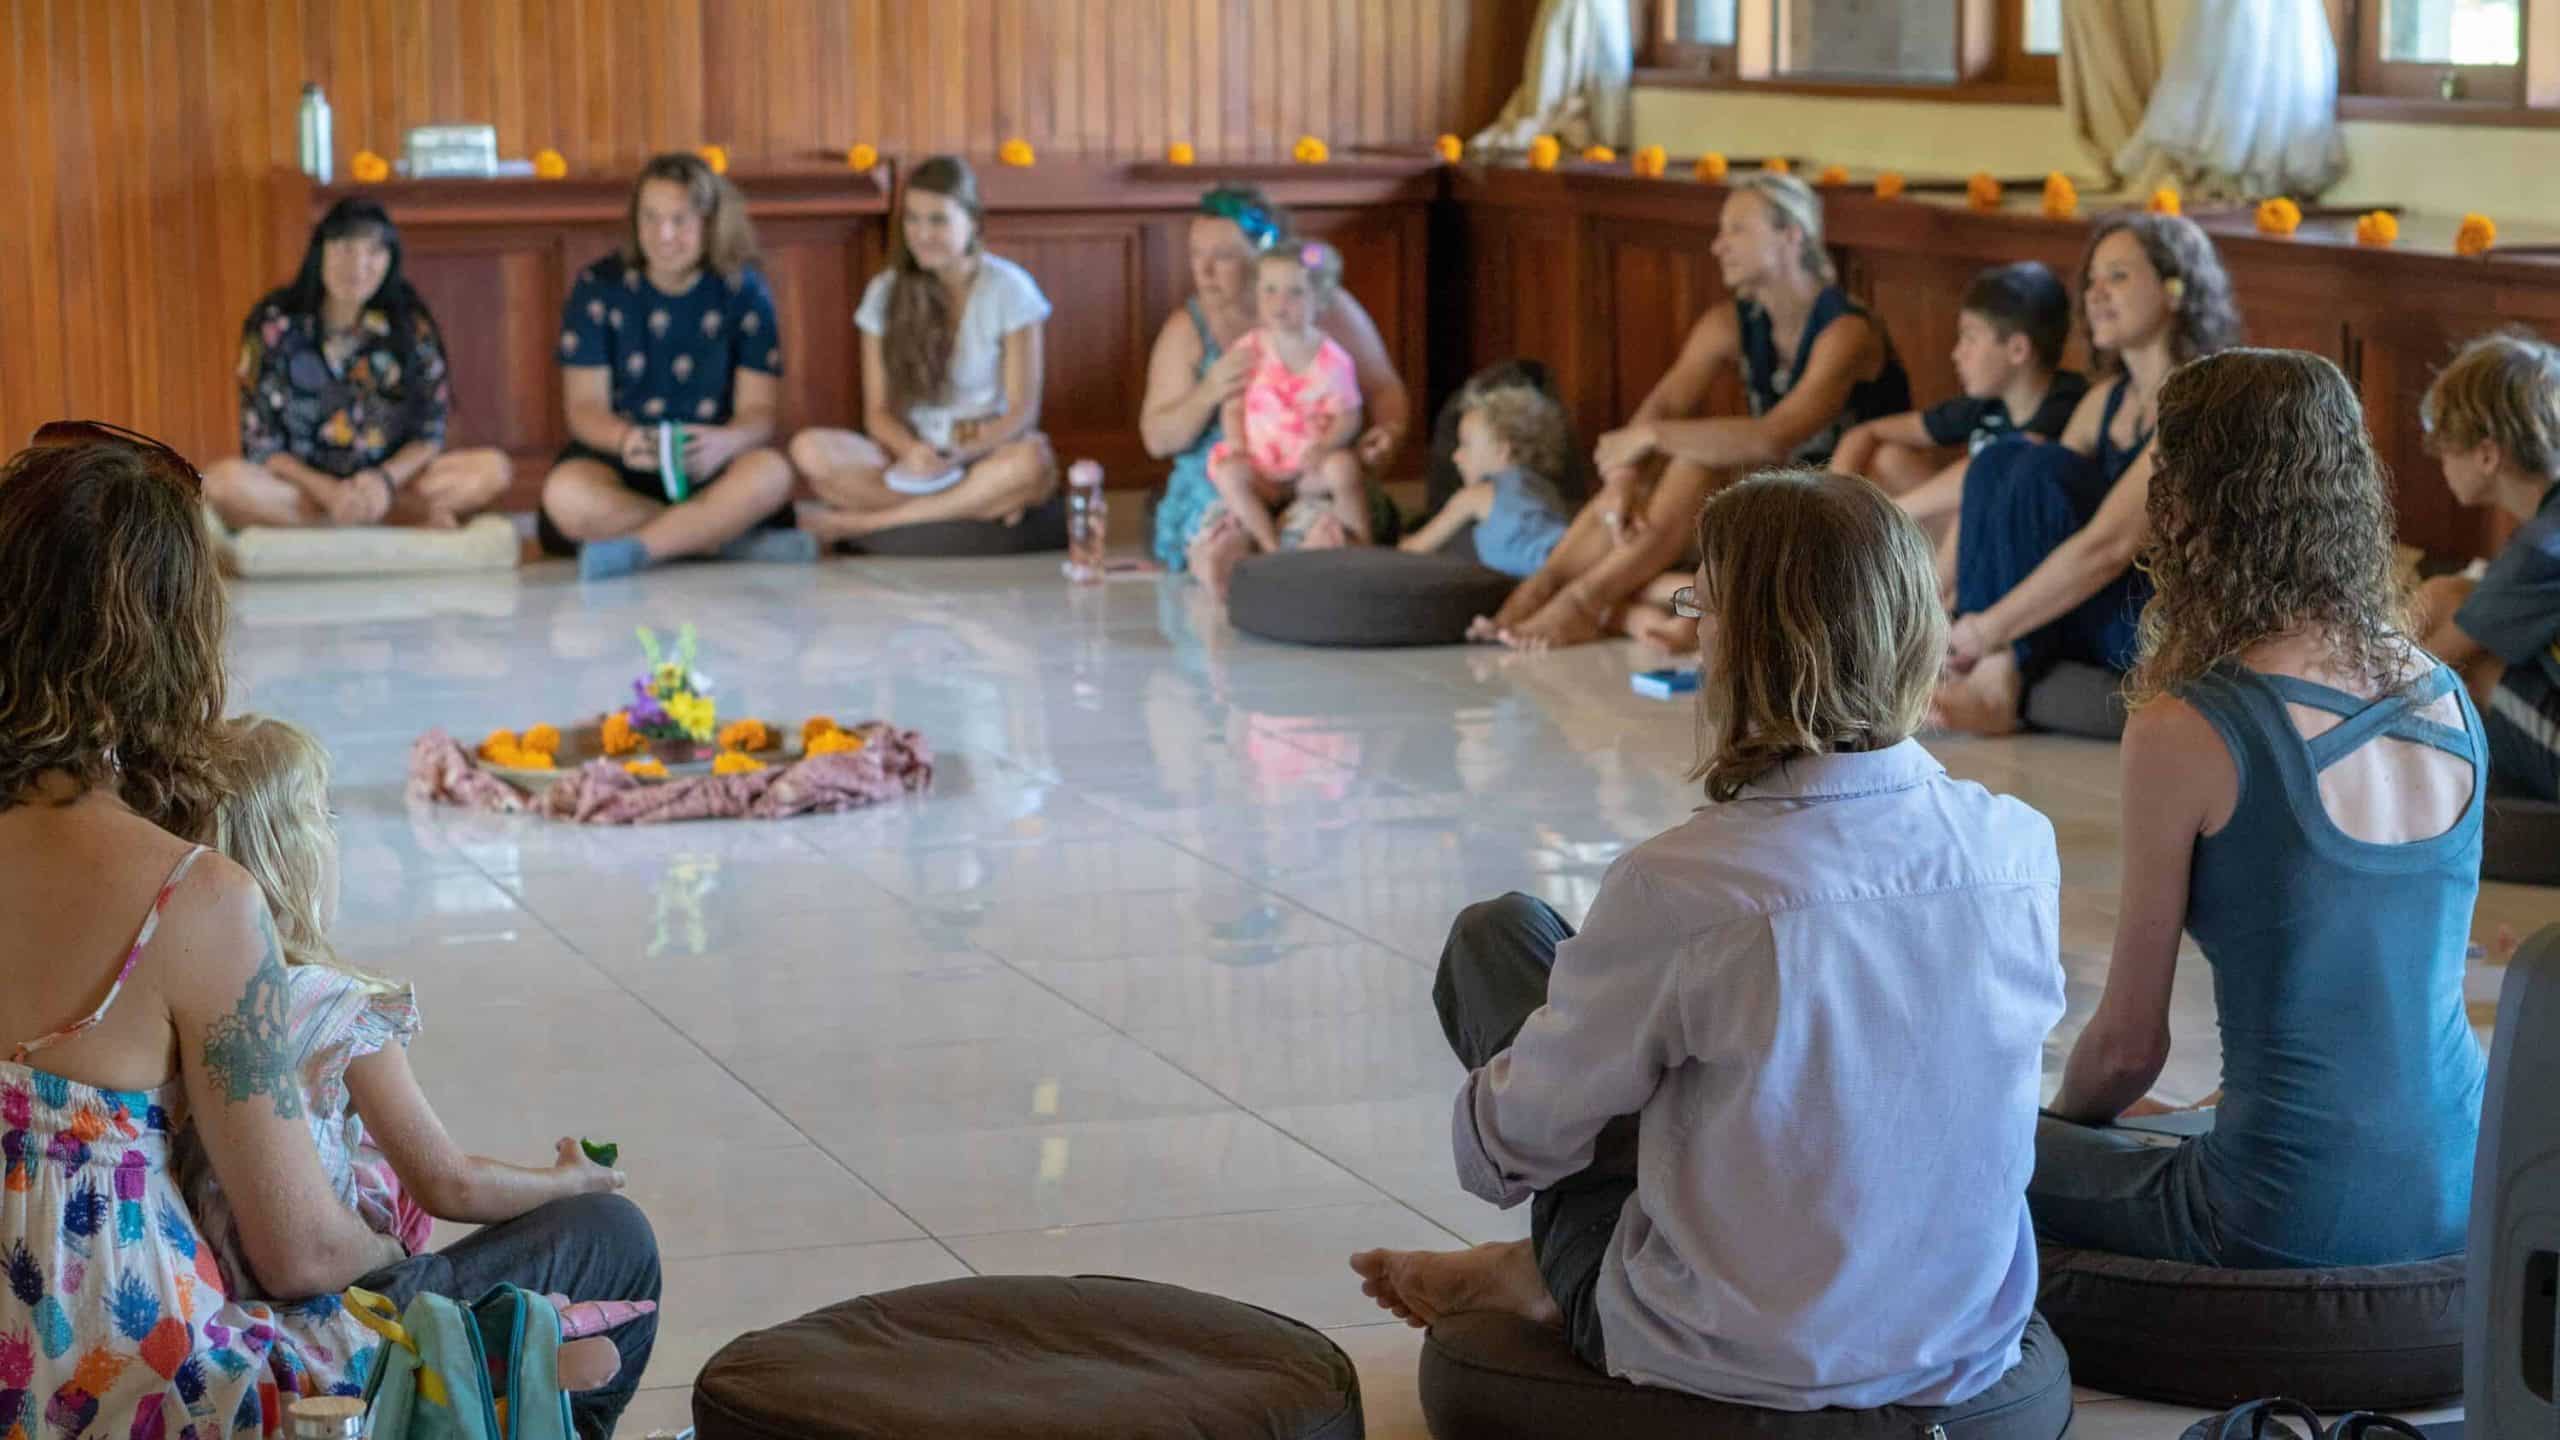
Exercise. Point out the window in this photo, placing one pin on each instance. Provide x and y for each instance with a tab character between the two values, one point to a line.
2453	32
2437	50
1970	49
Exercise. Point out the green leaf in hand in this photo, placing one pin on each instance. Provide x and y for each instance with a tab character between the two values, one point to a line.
604	1154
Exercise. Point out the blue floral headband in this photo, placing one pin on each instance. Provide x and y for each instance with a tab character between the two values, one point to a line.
1260	230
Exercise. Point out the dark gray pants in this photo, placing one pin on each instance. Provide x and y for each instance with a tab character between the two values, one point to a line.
1493	977
588	1247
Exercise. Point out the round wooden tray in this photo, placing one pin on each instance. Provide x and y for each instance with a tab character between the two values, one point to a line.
683	758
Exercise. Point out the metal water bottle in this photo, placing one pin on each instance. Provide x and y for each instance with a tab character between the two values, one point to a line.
1087	523
315	133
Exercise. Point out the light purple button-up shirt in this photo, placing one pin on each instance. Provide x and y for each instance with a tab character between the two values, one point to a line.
1827	1001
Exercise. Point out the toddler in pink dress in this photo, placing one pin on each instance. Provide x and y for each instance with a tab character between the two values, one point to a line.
1284	467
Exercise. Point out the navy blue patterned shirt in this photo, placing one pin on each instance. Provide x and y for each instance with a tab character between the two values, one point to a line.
671	357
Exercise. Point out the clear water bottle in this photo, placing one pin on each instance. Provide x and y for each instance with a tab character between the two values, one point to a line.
315	133
325	1417
1088	521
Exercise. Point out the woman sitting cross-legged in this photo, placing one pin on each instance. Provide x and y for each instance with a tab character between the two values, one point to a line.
671	363
1812	364
343	396
952	352
1759	1170
2302	793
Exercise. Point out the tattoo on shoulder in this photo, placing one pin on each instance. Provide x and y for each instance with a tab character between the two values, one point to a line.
245	1054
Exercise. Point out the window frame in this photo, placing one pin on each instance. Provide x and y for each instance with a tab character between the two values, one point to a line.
1991	63
2526	93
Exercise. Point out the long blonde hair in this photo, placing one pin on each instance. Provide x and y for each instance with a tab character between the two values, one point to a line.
1793	205
273	821
1828	631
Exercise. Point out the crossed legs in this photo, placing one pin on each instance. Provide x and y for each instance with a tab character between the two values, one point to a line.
455	486
849	473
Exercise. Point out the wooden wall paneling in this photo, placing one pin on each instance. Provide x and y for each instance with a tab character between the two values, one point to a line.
2396	352
496	293
1096	265
1653	285
816	268
1913	296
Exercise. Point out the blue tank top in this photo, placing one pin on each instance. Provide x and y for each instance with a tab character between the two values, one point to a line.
1767	378
2350	1077
2113	462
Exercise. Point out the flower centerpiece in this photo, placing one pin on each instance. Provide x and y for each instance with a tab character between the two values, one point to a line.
671	706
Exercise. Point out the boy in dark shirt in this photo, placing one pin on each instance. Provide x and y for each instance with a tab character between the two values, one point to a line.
2493	422
2009	340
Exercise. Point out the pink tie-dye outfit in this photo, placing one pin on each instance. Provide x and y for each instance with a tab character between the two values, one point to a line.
1287	413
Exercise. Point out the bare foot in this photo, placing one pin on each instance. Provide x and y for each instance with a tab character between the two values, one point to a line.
1420	1286
1982	701
589	1363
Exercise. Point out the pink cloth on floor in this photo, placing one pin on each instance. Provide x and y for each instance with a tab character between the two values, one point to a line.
891	763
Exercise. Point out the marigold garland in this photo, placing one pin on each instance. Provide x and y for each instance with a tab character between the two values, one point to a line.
2279	216
550	164
862	157
1982	192
1650	162
1450	149
2378	228
368	168
1544	152
1712	166
1310	151
2164	201
815	726
1599	154
618	737
1181	153
732	762
1777	165
1889	185
747	734
2061	197
1832	175
2477	234
545	738
652	768
835	742
1017	153
498	740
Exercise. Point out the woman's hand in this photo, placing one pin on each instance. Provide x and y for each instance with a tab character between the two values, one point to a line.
1621	503
1379	444
362	498
1227	375
640	448
921	460
1968	640
582	1176
1625	448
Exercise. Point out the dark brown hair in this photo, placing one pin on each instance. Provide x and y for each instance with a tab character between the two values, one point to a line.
2269	513
917	343
2024	298
1828	633
728	240
111	623
2203	317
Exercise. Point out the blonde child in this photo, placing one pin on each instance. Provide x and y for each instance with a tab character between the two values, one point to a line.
380	1141
1289	434
1511	442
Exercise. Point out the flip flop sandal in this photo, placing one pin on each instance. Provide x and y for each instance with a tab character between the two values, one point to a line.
2276	1418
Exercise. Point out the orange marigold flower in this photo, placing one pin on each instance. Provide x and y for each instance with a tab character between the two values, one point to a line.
2477	234
1181	153
651	768
1310	151
550	164
617	736
1599	154
1777	165
2378	228
1832	175
1712	166
545	738
714	156
749	734
2164	201
1650	162
1017	153
835	742
1544	152
2061	197
863	157
817	725
1982	192
497	740
2279	216
732	762
1450	148
368	168
1889	185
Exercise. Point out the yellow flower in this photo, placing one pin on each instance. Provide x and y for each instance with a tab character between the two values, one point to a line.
732	762
368	168
835	742
1016	153
696	714
1650	162
516	757
618	736
1982	192
1310	151
2164	201
2279	216
498	740
1777	165
545	738
2477	234
1711	166
1450	148
1544	152
817	725
2378	228
1181	153
863	157
1832	175
748	734
2061	197
714	156
1600	155
550	164
1889	185
649	769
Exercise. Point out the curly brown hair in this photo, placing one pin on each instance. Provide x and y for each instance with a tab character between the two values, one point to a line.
1528	422
1828	631
2270	513
728	238
922	324
111	624
2207	318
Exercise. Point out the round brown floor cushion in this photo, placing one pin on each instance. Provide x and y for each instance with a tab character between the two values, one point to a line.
2378	1337
2520	842
2077	699
1363	595
998	1357
1042	527
1495	1377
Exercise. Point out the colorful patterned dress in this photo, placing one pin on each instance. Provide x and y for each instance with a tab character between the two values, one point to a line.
114	1324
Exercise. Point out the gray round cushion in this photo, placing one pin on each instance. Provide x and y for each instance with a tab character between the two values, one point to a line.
1000	1357
2377	1337
1496	1377
2520	842
1042	527
1362	595
2077	699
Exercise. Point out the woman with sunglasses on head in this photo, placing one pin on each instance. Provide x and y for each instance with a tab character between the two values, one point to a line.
1195	368
144	994
344	396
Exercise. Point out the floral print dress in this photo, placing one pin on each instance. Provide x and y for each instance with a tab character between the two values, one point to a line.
114	1324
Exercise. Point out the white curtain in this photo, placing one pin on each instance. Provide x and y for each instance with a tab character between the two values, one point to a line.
1581	60
2247	106
2110	64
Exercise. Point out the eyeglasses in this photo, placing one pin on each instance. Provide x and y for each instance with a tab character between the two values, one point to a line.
1684	603
96	432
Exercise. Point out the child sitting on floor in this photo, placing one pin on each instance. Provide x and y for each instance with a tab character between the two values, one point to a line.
2009	338
1510	446
2493	421
1288	436
351	1032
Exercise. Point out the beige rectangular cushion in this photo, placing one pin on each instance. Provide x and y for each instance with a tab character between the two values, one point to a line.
489	542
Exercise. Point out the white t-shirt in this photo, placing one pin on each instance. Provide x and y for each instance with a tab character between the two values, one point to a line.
1004	299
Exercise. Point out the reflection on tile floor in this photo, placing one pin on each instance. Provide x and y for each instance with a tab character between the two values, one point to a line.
1144	985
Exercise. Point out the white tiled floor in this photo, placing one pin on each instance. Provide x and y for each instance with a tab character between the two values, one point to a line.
1142	987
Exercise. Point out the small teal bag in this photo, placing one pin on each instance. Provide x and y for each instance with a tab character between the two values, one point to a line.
486	1371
